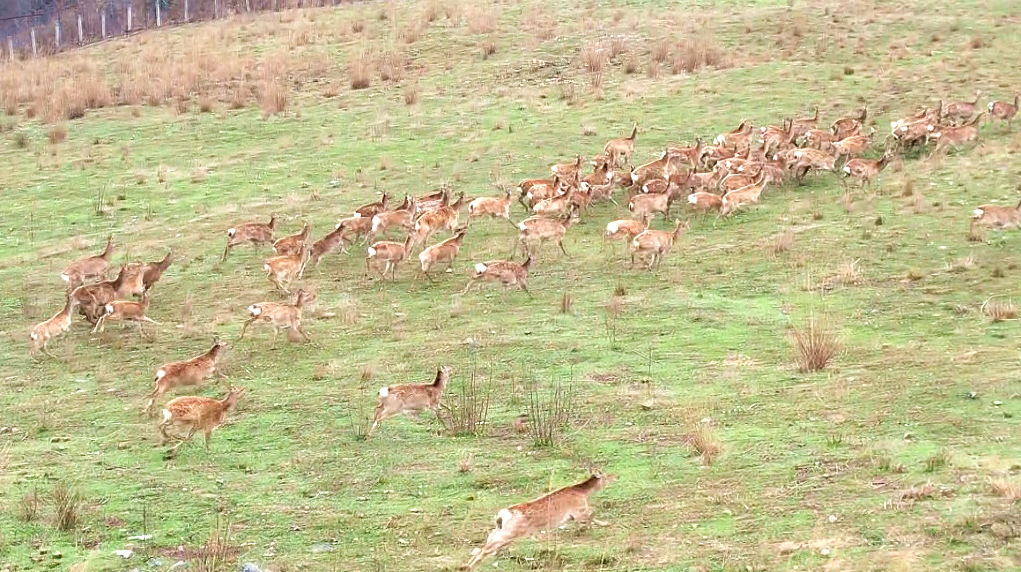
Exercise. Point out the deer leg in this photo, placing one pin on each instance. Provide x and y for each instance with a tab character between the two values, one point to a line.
46	350
301	330
226	249
524	287
100	324
562	249
497	540
245	327
208	435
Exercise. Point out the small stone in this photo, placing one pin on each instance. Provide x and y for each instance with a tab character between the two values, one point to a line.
124	553
180	564
249	567
997	403
833	518
972	395
155	562
320	548
57	554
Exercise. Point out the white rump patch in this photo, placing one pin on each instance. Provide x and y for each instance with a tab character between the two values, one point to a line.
357	215
847	169
35	336
612	227
584	186
634	177
161	374
376	223
231	231
254	310
979	212
372	251
480	268
384	391
719	140
645	188
522	226
166	415
265	267
504	516
692	199
336	227
65	277
990	106
109	308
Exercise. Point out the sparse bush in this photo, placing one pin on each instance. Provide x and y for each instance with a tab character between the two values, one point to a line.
359	67
391	65
28	510
937	461
999	310
661	51
367	374
239	98
57	133
692	54
566	302
549	413
781	243
411	93
631	64
1006	488
205	104
465	411
593	57
20	140
464	464
977	42
617	47
217	554
272	98
482	21
198	174
67	506
488	48
816	345
703	441
357	26
653	70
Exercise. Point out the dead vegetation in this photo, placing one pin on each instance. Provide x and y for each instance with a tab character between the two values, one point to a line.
704	443
999	310
816	345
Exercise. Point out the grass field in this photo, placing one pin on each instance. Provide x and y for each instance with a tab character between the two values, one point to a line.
902	454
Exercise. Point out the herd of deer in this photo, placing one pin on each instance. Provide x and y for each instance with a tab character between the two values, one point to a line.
723	177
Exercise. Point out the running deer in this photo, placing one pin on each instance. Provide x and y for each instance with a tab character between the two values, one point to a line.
345	233
714	154
649	204
445	251
821	140
444	218
806	160
847	126
43	332
996	216
372	209
187	372
413	398
403	216
661	168
125	311
653	245
775	138
865	170
193	413
801	126
536	230
91	298
1003	111
134	272
254	233
747	195
626	230
153	271
555	206
623	147
601	175
736	138
954	136
282	270
88	268
567	171
703	202
542	514
431	202
392	253
692	154
961	110
506	272
294	244
850	147
280	316
491	206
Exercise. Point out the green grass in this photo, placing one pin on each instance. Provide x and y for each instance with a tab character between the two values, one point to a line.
705	336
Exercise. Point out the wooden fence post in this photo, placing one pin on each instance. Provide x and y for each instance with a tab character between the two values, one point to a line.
185	10
56	33
10	47
216	9
35	50
102	23
81	36
159	21
129	17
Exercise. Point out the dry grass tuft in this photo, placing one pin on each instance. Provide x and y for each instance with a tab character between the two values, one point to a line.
661	51
977	42
466	462
999	310
368	373
781	243
358	26
239	98
359	68
653	70
411	94
631	64
205	104
411	33
909	188
272	98
391	65
1006	488
704	442
28	509
488	48
961	264
617	46
919	492
481	21
67	506
594	58
817	345
848	273
692	54
57	134
198	174
566	302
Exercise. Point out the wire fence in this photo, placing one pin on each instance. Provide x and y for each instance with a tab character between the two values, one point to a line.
69	24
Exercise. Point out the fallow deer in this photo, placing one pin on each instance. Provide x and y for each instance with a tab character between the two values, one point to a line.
538	229
59	323
692	154
91	298
88	268
626	230
999	217
703	202
279	316
648	204
249	233
153	271
775	138
282	270
506	272
848	126
444	218
806	160
623	147
194	413
345	233
567	171
125	311
1003	111
714	154
801	126
661	168
444	251
555	206
961	110
746	195
294	244
403	216
133	285
491	206
653	245
372	209
820	139
541	514
954	136
187	372
431	202
413	398
736	138
850	147
866	170
390	253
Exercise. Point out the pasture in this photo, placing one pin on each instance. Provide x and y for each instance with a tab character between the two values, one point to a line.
683	381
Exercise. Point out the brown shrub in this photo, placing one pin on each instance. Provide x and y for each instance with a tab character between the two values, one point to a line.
703	441
357	26
359	67
631	64
205	104
617	47
412	33
239	98
653	70
411	93
1006	488
781	243
391	65
593	57
816	345
661	51
488	48
692	54
272	98
57	133
999	310
482	21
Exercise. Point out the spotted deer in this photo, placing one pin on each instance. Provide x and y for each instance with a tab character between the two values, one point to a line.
866	170
125	311
506	272
848	126
390	253
623	147
626	230
254	233
1003	111
999	217
403	216
282	270
345	233
153	271
653	245
91	298
542	514
59	323
961	110
445	251
294	244
372	209
194	413
535	230
78	272
279	316
187	372
491	206
413	398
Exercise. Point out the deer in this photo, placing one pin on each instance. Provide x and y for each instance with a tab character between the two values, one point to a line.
507	272
491	206
294	244
806	160
567	171
648	204
961	110
1003	111
432	202
194	413
59	323
445	218
735	138
282	270
746	195
602	174
626	230
187	372
954	136
134	273
848	126
821	139
392	253
736	181
280	316
714	154
598	192
655	244
865	170
254	233
342	235
536	230
444	251
413	398
996	216
125	311
88	268
853	146
372	209
92	297
661	168
403	216
774	138
624	147
692	154
153	271
801	126
544	513
703	202
555	206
